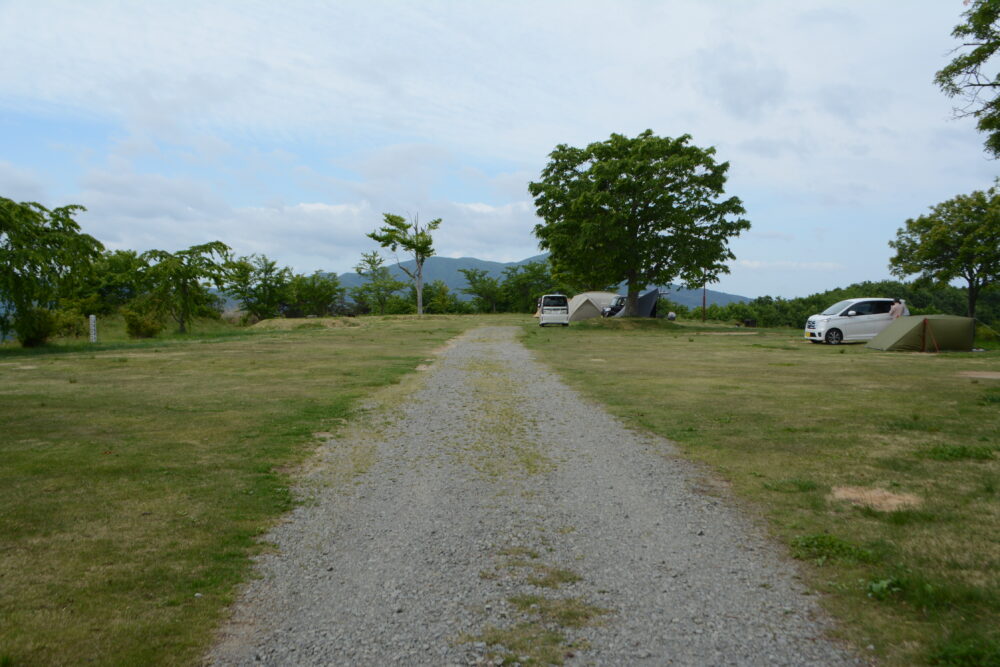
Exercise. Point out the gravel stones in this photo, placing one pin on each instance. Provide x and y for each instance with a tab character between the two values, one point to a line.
492	483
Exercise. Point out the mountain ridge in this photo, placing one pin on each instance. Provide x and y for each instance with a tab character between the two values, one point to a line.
448	270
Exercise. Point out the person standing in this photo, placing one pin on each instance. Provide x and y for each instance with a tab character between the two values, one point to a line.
896	310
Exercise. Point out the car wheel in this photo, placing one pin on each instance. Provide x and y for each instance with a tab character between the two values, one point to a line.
834	337
565	324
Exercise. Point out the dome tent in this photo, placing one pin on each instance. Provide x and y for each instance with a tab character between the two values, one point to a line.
585	305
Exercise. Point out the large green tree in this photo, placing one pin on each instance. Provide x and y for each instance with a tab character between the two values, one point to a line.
181	280
958	239
971	75
39	250
413	238
112	280
642	210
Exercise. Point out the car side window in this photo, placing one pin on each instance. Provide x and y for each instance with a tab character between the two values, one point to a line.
881	307
863	308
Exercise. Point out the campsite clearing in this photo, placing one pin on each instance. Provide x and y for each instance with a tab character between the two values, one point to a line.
137	476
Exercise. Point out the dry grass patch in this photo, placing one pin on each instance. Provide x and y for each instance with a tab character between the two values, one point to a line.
986	375
877	499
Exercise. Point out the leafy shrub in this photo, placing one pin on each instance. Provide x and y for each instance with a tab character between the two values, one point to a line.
142	323
69	322
883	589
34	326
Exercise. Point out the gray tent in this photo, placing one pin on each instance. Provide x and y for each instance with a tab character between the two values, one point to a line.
926	333
646	306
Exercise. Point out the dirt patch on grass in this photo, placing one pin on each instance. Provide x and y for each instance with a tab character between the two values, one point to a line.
877	499
986	375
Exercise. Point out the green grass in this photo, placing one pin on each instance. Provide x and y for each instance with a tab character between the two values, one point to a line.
787	422
138	477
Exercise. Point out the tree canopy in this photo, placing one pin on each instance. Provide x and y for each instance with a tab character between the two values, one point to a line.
39	250
413	238
959	238
259	284
485	289
643	210
180	279
971	75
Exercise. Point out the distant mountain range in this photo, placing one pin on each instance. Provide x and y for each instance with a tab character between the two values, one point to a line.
447	270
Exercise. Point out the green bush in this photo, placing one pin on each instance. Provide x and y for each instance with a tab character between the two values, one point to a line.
142	323
34	326
69	322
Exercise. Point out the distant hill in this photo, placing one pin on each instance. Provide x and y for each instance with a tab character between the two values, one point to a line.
447	270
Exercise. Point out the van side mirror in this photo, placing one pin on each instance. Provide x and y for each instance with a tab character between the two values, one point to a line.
852	313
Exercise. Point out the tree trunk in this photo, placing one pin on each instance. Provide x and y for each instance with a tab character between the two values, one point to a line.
973	294
420	286
182	310
632	300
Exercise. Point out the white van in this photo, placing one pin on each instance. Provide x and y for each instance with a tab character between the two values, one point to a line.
850	320
553	309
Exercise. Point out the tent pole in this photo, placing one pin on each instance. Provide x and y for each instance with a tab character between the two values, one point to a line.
923	336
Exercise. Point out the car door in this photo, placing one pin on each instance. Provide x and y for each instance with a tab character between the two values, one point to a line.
880	317
860	325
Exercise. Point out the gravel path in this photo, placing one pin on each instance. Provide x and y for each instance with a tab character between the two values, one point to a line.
503	516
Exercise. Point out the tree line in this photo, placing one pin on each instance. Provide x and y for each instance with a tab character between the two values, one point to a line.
52	275
768	311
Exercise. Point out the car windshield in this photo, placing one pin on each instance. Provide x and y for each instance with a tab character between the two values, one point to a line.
554	301
836	308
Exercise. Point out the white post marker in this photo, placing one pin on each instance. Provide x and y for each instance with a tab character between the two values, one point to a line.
93	328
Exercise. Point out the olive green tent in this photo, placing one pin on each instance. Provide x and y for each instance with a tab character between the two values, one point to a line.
926	333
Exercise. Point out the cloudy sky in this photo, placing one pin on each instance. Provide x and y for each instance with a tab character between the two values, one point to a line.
288	128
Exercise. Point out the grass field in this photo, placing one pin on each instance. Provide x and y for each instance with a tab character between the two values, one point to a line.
880	471
137	477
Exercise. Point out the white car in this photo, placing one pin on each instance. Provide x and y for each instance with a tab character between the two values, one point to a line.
553	309
850	320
